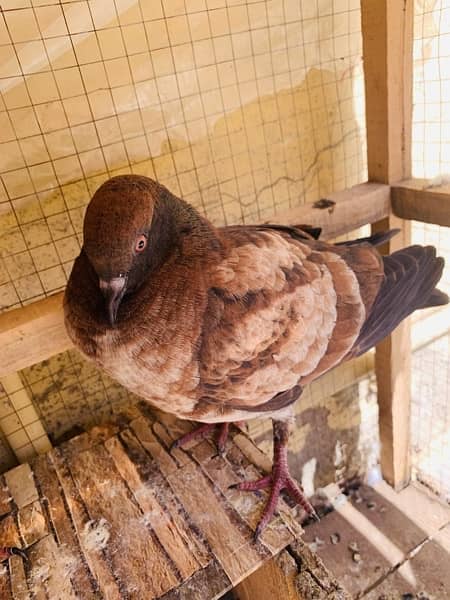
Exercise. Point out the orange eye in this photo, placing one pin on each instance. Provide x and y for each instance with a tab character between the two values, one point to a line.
141	243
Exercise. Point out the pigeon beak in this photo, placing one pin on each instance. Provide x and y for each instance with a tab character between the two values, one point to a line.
113	290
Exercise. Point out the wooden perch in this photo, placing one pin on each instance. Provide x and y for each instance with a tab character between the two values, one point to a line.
113	514
36	332
419	200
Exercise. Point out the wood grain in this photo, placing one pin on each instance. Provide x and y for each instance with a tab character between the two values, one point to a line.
21	485
420	201
139	564
387	29
31	334
94	557
112	515
61	522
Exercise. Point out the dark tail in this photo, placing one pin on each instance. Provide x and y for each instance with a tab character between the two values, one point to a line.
410	279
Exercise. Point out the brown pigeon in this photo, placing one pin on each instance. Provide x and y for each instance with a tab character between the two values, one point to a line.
227	324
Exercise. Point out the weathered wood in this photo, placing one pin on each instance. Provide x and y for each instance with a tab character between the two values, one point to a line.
19	585
32	523
9	534
393	370
50	570
387	29
52	492
154	514
142	569
36	332
5	497
295	574
21	485
112	514
93	556
419	200
273	581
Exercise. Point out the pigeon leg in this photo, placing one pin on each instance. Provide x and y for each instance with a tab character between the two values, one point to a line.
202	431
279	479
7	551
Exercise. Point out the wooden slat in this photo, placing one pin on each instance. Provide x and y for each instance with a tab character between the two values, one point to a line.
36	332
155	515
32	523
31	334
50	488
21	485
51	582
19	585
116	516
387	29
419	200
95	559
143	570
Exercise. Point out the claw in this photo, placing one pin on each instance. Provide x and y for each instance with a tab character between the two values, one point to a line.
280	479
8	551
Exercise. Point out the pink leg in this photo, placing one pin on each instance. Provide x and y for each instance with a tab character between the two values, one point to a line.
279	479
202	431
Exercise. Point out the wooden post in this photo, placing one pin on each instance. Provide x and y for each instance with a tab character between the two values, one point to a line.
387	27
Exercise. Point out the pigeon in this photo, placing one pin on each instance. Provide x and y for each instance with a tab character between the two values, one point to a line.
224	324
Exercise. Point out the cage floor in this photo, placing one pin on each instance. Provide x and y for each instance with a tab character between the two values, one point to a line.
386	545
111	514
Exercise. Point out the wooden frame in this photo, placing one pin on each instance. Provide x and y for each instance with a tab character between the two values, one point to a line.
387	28
420	200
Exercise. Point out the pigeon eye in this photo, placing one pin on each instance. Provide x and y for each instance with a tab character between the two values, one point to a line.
141	243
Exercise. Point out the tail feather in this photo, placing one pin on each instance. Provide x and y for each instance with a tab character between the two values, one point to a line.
410	278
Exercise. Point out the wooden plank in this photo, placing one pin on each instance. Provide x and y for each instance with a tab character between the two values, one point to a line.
5	497
19	585
9	534
161	522
93	555
50	570
234	549
32	523
32	334
387	29
142	567
208	584
21	485
387	52
295	574
5	584
275	580
419	200
36	332
52	492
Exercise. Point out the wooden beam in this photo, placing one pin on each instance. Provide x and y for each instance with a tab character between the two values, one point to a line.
36	332
31	334
342	212
387	29
419	200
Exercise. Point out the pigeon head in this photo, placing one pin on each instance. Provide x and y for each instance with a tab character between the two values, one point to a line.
124	235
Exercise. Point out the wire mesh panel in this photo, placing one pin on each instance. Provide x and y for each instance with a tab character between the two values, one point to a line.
243	108
431	109
430	424
430	410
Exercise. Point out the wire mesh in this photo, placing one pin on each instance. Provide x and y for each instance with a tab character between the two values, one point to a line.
430	424
244	108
